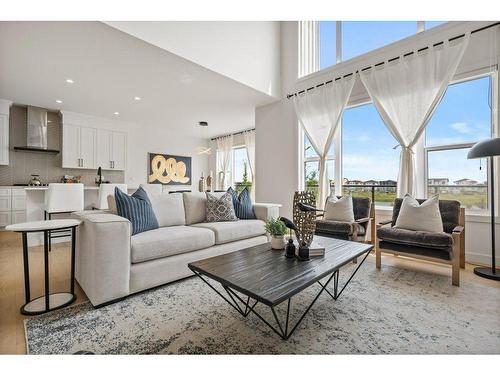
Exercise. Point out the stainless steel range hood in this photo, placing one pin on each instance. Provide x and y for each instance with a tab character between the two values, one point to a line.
36	139
37	128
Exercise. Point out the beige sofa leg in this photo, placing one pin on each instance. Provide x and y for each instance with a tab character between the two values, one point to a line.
455	260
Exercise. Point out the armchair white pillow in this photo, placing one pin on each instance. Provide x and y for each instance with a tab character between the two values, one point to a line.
339	209
424	217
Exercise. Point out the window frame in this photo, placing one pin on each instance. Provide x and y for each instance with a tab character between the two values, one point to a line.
457	146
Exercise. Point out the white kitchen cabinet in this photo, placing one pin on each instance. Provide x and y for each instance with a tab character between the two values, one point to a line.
119	151
79	147
18	199
5	218
111	149
104	141
87	147
71	146
4	139
18	217
5	200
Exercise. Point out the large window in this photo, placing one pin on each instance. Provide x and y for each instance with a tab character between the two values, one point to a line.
311	167
369	159
463	117
241	174
359	37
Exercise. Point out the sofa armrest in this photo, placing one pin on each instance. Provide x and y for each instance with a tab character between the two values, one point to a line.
103	256
363	220
384	222
265	211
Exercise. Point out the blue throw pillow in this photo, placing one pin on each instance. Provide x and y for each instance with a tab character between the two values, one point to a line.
243	206
136	208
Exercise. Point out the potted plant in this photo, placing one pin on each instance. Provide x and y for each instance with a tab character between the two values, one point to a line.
276	229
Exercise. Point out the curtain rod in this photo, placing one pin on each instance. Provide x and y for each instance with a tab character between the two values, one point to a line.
390	60
237	133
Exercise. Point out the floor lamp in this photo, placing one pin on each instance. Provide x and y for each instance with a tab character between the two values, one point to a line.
488	148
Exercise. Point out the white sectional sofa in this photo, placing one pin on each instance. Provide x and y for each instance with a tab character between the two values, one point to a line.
112	264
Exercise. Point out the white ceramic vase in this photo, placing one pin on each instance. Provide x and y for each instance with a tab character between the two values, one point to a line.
278	242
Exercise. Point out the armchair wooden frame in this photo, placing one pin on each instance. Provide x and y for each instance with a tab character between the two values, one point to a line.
457	260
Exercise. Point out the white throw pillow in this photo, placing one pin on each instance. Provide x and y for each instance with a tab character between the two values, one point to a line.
424	217
339	209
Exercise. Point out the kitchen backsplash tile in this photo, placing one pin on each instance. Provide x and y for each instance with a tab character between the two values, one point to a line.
23	164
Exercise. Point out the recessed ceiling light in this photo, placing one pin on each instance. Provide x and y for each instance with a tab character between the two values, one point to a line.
203	123
116	113
138	98
59	101
69	80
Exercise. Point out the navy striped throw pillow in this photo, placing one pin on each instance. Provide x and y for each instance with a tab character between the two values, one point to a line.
136	208
243	206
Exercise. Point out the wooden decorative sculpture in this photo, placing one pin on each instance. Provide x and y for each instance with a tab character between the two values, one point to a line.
305	221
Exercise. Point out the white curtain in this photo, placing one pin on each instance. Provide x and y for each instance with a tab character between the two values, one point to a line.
249	137
224	148
406	92
319	111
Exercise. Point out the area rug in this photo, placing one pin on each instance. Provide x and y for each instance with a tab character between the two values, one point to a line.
389	311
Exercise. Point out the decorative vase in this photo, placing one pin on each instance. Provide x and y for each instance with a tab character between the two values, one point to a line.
290	249
209	181
303	252
201	184
277	242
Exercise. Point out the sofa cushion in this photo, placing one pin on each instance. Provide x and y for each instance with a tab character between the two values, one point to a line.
417	216
243	206
169	209
329	226
137	208
168	241
220	208
415	238
450	212
229	231
339	209
195	206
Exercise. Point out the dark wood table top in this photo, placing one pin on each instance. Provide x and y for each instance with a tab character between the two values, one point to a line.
269	277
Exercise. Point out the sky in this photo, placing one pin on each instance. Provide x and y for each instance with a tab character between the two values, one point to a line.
462	116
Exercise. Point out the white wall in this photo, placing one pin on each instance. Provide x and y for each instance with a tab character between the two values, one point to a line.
278	134
247	52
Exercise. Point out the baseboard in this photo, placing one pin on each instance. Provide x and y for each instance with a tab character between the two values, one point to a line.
480	259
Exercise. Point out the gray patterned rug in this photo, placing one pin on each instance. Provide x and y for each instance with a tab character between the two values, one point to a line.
392	311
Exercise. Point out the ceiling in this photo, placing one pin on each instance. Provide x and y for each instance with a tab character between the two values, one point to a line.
109	68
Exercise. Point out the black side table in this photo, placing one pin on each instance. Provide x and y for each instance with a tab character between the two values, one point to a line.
47	302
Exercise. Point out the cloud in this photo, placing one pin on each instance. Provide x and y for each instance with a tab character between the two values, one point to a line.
461	127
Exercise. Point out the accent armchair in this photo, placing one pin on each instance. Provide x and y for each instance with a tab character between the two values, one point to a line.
447	247
364	214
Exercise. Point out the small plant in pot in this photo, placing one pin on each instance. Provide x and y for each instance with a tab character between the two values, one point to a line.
277	230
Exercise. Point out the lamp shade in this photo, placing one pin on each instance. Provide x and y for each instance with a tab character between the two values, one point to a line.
489	147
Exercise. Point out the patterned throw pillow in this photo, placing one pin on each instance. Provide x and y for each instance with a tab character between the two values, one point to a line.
136	208
220	209
243	206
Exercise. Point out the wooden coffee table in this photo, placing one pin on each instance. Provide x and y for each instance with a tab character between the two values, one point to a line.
266	276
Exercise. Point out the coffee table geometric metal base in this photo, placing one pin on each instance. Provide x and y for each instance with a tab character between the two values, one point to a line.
246	305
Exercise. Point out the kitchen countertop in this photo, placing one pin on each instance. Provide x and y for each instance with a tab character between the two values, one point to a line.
27	188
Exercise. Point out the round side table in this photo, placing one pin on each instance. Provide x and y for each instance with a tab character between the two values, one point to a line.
47	302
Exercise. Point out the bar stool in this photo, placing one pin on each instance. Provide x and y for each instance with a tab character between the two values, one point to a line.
105	190
62	199
47	302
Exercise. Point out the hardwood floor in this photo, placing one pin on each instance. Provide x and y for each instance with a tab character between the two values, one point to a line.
12	340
